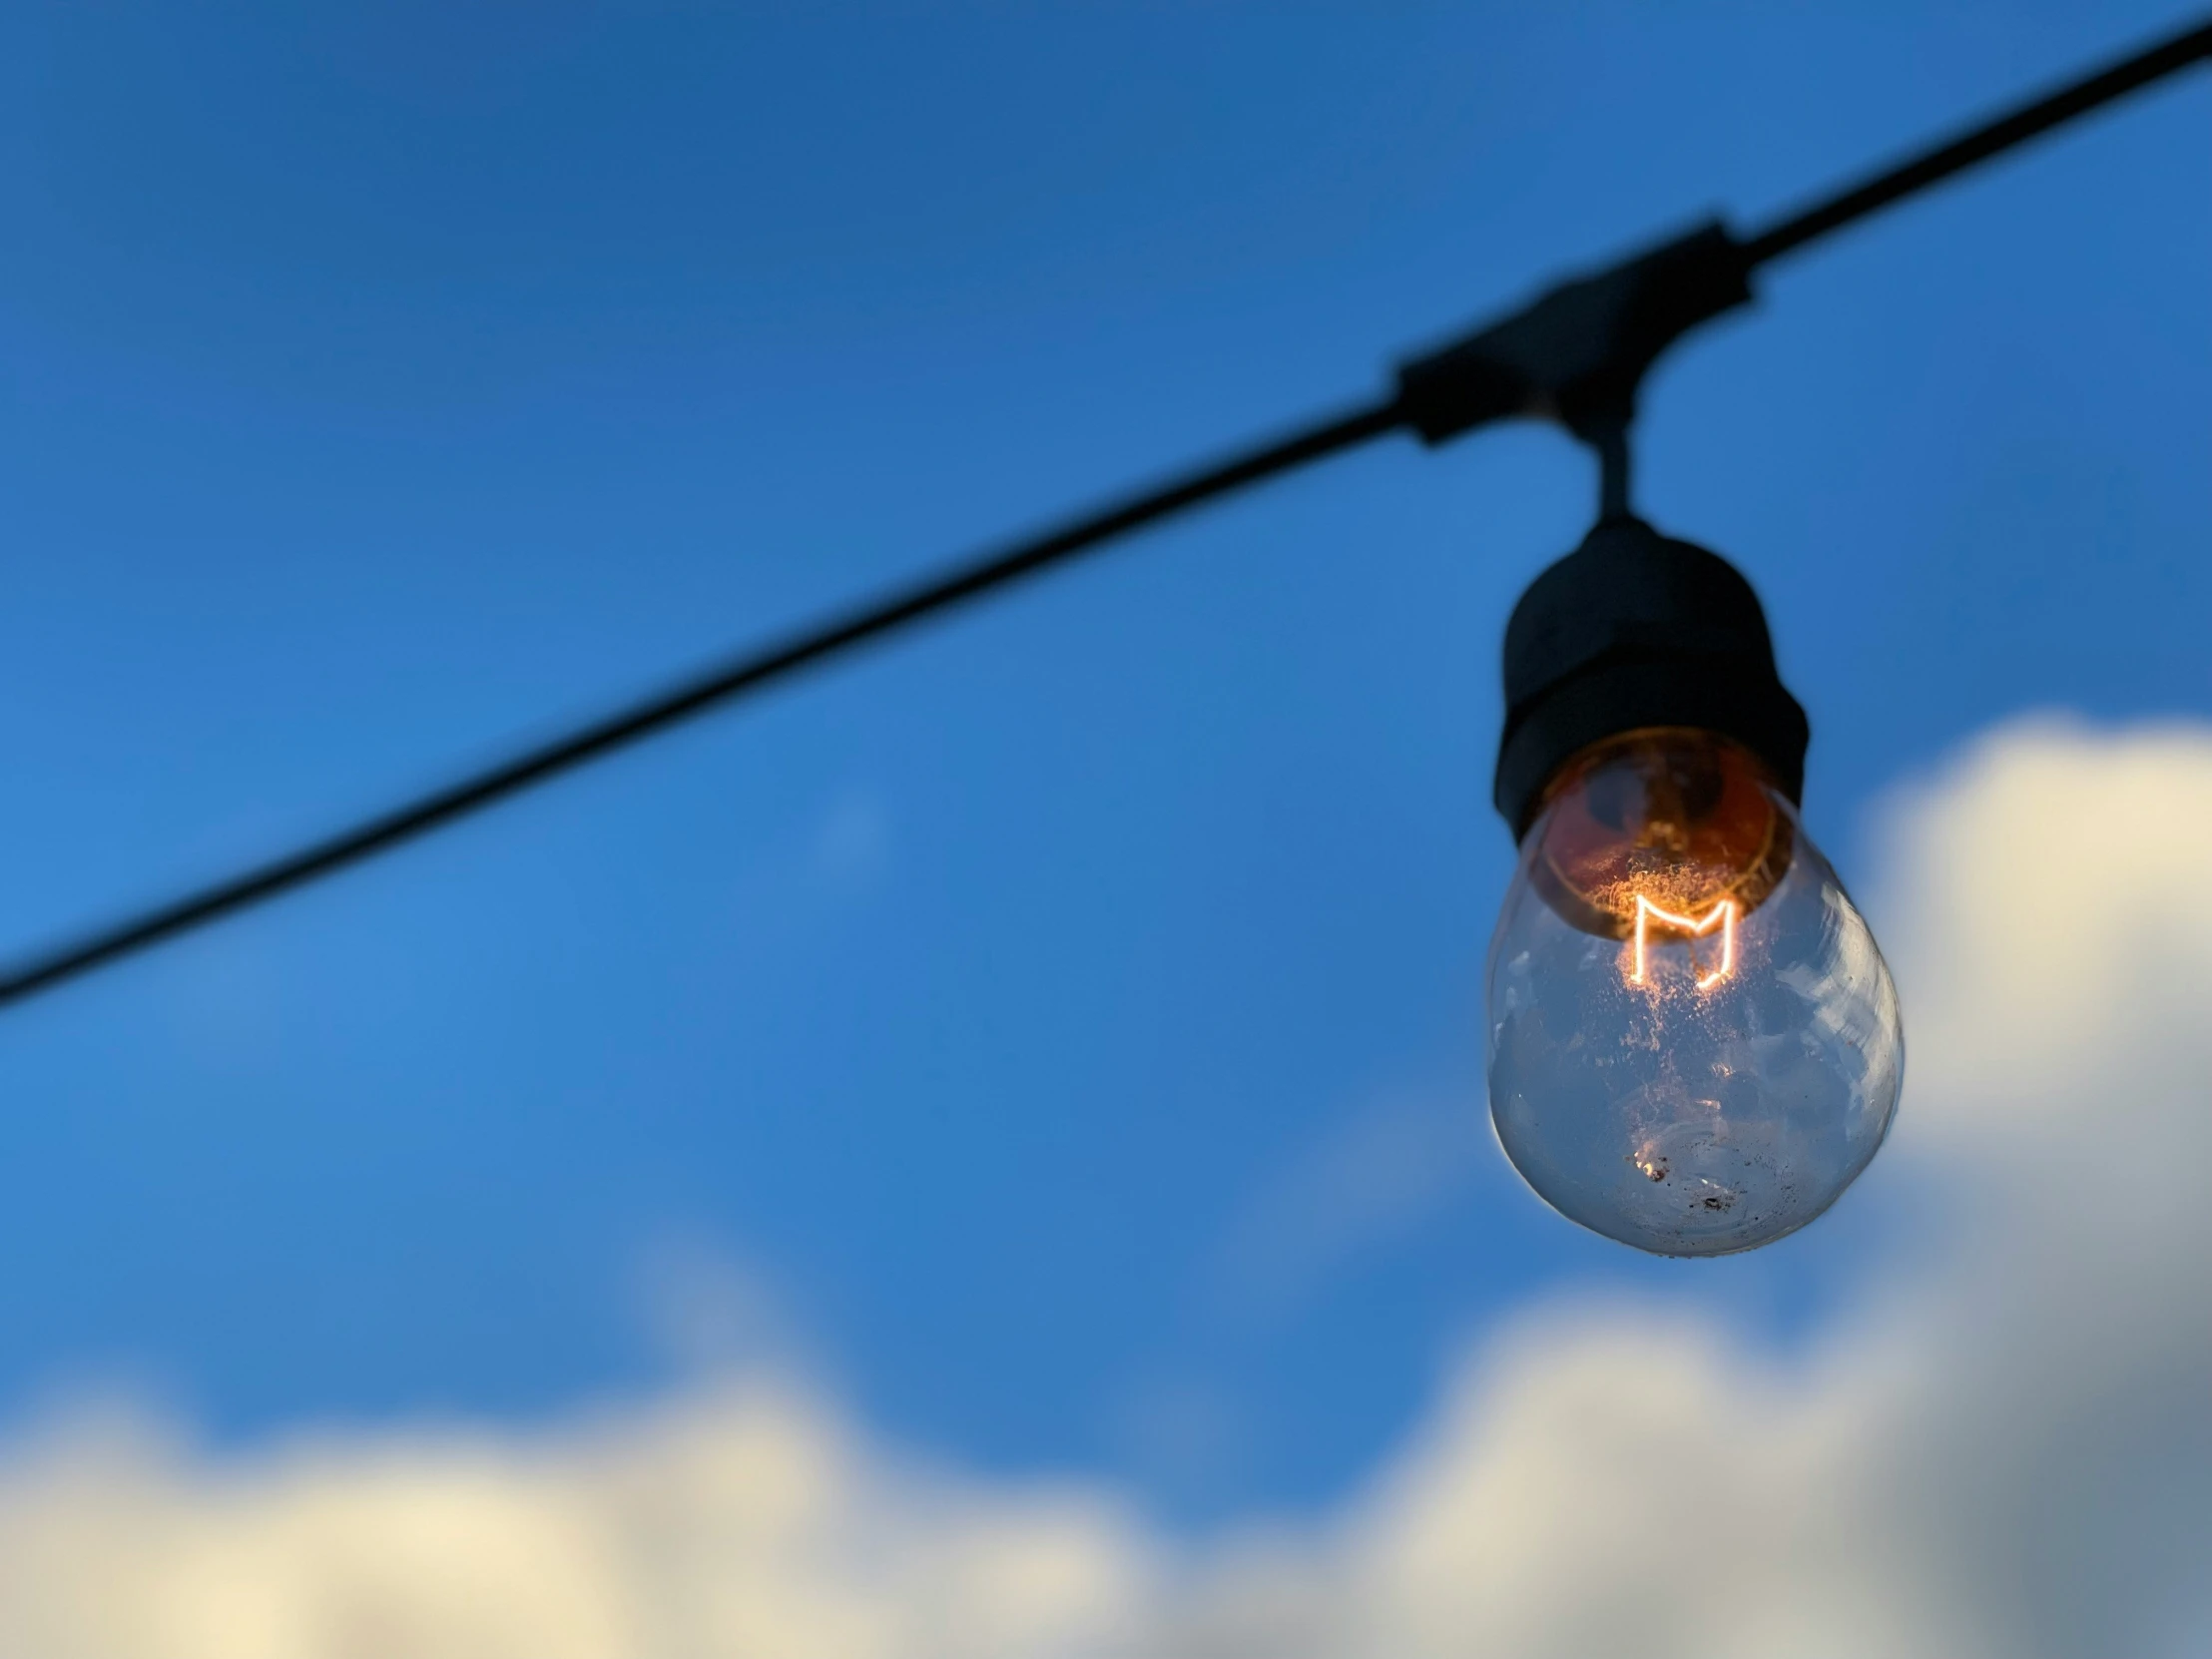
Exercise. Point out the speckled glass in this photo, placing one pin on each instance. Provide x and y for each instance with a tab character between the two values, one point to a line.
1694	1043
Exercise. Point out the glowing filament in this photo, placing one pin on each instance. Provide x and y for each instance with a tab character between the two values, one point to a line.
1721	916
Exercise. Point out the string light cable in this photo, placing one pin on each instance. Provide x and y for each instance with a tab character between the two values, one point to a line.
1575	355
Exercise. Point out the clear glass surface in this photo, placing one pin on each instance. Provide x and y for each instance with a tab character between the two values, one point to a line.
1694	1043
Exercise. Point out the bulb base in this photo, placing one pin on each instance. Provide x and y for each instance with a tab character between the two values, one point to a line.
1634	630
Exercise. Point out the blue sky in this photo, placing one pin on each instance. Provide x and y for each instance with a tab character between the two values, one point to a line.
1066	1013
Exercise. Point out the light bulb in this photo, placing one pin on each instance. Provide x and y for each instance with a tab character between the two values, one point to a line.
1694	1044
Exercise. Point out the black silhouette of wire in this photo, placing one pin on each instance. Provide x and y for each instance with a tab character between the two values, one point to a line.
755	670
1931	167
718	684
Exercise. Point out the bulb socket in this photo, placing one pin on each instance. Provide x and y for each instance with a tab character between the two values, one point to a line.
1634	630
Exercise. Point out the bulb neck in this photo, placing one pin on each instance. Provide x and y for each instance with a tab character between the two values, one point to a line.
1633	630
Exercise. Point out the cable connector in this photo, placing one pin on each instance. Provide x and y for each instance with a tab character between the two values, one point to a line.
1578	355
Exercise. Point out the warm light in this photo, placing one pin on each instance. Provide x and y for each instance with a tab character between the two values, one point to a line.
1721	916
1687	1125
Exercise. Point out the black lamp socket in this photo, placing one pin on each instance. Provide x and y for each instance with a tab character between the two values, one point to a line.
1630	631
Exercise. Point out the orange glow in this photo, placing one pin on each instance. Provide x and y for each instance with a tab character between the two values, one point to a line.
1686	816
1721	916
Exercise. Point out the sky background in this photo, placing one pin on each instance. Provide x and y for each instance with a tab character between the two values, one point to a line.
1056	1029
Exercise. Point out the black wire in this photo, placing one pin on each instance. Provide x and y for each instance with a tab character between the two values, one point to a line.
1614	469
2192	44
692	697
758	669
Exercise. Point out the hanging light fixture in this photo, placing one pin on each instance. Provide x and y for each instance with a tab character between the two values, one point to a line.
1693	1043
1694	1046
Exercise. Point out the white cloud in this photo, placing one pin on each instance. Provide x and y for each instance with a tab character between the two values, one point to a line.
2004	1448
748	1521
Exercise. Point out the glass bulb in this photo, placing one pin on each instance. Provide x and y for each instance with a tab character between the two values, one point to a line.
1694	1043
